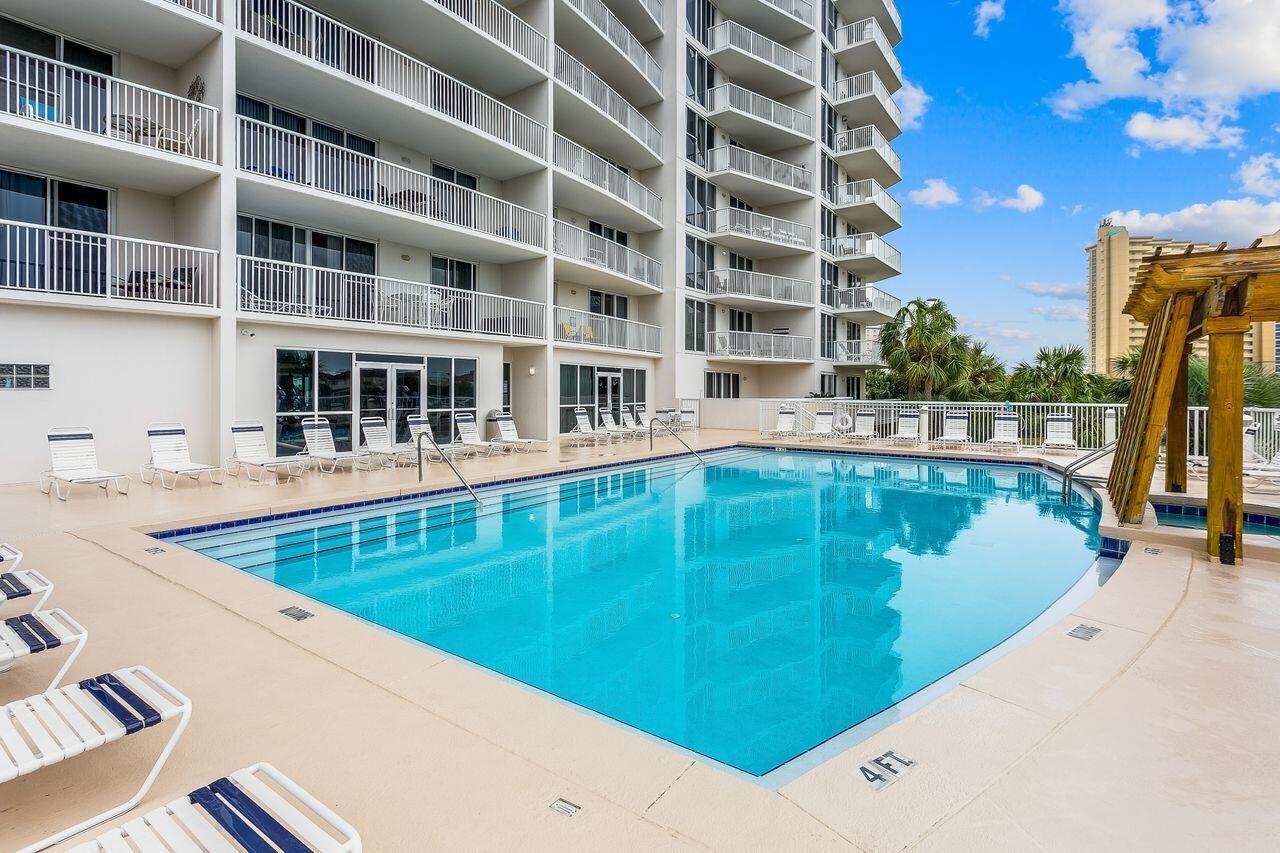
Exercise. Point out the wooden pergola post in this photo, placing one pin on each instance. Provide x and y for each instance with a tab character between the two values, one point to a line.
1225	507
1175	466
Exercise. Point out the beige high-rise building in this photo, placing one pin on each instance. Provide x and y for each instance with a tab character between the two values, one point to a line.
1113	267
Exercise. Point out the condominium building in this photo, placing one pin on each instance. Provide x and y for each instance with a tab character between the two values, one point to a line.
1113	268
224	210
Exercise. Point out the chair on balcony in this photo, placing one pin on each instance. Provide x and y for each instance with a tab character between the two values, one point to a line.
43	110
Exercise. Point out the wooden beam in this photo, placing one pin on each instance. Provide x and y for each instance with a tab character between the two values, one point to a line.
1175	442
1225	507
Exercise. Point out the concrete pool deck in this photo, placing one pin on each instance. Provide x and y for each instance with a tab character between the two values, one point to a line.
1161	733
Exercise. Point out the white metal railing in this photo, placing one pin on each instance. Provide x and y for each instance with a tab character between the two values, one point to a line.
759	345
730	97
56	93
865	299
584	327
731	34
596	170
733	158
729	282
863	246
866	191
294	290
867	138
867	84
861	32
578	78
579	245
859	353
502	25
82	263
731	220
616	33
799	9
892	8
208	8
300	30
287	156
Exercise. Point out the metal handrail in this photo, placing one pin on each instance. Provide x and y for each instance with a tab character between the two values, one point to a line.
1069	473
653	421
426	433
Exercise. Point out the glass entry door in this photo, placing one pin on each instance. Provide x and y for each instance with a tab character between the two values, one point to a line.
391	393
609	393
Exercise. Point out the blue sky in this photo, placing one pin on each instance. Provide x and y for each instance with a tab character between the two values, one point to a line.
1165	112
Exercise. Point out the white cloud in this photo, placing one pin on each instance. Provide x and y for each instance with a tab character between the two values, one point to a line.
1073	210
1237	221
985	329
1061	313
1025	200
987	13
914	102
936	192
1184	132
1056	290
1260	175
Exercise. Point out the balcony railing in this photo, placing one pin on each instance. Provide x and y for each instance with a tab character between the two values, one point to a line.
300	30
502	25
56	93
585	247
208	8
731	97
731	34
731	220
596	170
728	282
867	138
41	259
864	192
759	345
867	84
583	327
857	353
863	246
865	31
578	78
732	158
293	290
292	157
598	15
866	299
801	10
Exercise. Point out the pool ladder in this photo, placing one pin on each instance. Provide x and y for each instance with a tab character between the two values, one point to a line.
655	422
426	433
1069	473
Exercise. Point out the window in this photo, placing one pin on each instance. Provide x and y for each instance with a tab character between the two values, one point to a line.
608	232
287	120
830	226
830	123
700	258
608	304
699	73
48	44
829	20
699	138
738	204
699	195
853	387
310	382
24	376
579	384
506	387
740	321
830	176
451	390
828	336
740	262
696	325
699	15
81	264
723	385
830	280
827	384
449	272
454	176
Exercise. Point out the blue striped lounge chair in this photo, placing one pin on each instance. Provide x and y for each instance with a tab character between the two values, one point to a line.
74	461
320	447
23	637
251	455
171	458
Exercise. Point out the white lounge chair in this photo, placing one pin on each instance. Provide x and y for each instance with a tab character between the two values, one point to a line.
10	557
319	441
171	456
23	637
382	450
864	428
74	457
642	415
21	585
610	426
251	454
50	727
470	435
1059	433
629	422
687	421
257	804
583	433
822	426
432	449
510	436
1004	435
955	431
785	425
908	430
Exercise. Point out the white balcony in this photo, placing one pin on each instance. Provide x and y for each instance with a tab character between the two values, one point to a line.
757	178
867	255
585	329
864	152
481	40
759	347
755	120
755	234
858	354
294	177
758	62
594	110
586	182
868	306
863	44
49	111
591	259
601	39
275	290
780	20
291	55
866	206
40	263
757	291
864	99
884	11
169	32
642	17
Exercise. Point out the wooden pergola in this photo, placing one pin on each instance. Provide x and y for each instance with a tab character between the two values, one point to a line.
1180	298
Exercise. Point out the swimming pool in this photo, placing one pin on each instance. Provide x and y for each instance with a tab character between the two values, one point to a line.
748	610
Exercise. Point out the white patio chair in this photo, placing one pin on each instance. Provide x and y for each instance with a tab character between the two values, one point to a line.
822	426
258	807
318	437
629	422
432	449
21	585
50	727
908	430
955	431
1059	433
177	141
583	434
10	557
74	457
171	456
23	637
864	428
382	450
785	425
610	426
1005	437
469	433
251	454
510	436
688	421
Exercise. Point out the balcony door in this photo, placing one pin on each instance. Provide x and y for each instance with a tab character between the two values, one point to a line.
609	392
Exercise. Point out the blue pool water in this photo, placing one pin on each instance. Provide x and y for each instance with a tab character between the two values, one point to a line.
747	611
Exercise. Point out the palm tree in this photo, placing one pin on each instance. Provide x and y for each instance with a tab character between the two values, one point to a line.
922	346
1056	376
983	379
1261	386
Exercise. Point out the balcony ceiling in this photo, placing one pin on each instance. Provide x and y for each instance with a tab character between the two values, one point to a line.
868	163
863	316
754	246
589	46
760	304
155	29
759	75
868	55
569	270
869	110
766	18
756	191
868	216
635	17
871	268
858	10
756	133
585	197
579	119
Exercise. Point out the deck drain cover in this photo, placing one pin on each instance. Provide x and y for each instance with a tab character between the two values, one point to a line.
1151	550
565	808
297	614
1084	632
155	549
